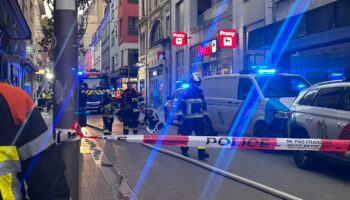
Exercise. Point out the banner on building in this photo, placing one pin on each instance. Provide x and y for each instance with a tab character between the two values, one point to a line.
179	38
227	38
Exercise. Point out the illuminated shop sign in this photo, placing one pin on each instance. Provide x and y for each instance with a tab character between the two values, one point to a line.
179	38
207	50
227	38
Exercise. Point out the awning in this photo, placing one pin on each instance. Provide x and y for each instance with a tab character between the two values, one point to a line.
31	65
12	21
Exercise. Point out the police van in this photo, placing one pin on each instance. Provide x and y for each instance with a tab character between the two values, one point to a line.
251	104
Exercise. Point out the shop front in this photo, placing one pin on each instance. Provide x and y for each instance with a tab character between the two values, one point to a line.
13	31
319	47
209	60
156	85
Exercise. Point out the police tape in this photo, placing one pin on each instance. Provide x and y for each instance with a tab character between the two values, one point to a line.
297	144
237	142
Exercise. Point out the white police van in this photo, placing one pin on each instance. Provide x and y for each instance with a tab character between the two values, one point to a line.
251	104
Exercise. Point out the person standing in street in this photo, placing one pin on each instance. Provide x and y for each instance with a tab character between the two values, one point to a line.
39	98
107	109
28	152
191	112
131	109
82	104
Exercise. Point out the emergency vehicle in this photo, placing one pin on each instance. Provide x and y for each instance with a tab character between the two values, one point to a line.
251	104
321	112
96	84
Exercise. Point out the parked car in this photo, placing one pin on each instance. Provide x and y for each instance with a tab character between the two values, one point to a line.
265	99
322	112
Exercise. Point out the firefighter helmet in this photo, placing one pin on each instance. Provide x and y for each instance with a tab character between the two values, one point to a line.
195	78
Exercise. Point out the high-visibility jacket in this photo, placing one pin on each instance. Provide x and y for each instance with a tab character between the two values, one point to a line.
27	150
191	104
107	108
150	116
132	100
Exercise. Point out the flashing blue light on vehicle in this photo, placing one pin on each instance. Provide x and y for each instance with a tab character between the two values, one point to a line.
337	74
178	81
259	67
185	85
301	86
80	73
266	71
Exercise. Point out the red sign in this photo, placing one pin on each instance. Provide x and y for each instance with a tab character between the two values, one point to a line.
227	38
179	39
203	51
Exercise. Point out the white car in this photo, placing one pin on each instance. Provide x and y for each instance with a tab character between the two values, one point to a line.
322	112
251	104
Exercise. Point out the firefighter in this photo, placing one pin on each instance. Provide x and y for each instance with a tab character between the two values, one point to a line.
107	109
152	119
48	100
82	104
191	112
39	97
131	109
27	151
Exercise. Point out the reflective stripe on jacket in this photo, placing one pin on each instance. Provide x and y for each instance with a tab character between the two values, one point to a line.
191	104
27	148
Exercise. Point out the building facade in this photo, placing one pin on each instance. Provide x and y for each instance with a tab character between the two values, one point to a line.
154	50
20	33
127	41
95	14
310	38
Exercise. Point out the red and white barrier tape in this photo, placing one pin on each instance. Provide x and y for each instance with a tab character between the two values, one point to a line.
215	142
237	142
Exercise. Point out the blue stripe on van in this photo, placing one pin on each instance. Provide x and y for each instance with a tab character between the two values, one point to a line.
272	105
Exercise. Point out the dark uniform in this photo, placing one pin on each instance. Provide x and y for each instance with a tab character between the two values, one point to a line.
82	105
131	110
191	111
107	109
152	119
27	151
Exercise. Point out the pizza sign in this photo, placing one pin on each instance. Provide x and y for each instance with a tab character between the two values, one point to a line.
179	39
227	38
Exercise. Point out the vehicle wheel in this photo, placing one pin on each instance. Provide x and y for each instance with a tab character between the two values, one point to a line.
208	129
262	130
304	159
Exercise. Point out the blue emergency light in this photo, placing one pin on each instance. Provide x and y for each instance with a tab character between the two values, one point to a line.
266	71
80	73
185	85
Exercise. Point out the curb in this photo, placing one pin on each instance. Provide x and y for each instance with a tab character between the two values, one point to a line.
124	190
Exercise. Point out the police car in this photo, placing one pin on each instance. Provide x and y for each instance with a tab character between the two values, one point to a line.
251	103
322	112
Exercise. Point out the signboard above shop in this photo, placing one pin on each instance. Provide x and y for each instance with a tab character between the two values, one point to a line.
227	38
179	38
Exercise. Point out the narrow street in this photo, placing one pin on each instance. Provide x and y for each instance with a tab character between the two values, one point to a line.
173	178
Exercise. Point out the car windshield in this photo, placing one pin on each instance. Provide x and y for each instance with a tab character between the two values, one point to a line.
281	86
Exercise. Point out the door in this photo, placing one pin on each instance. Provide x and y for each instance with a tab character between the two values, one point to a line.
306	112
245	106
328	117
220	95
